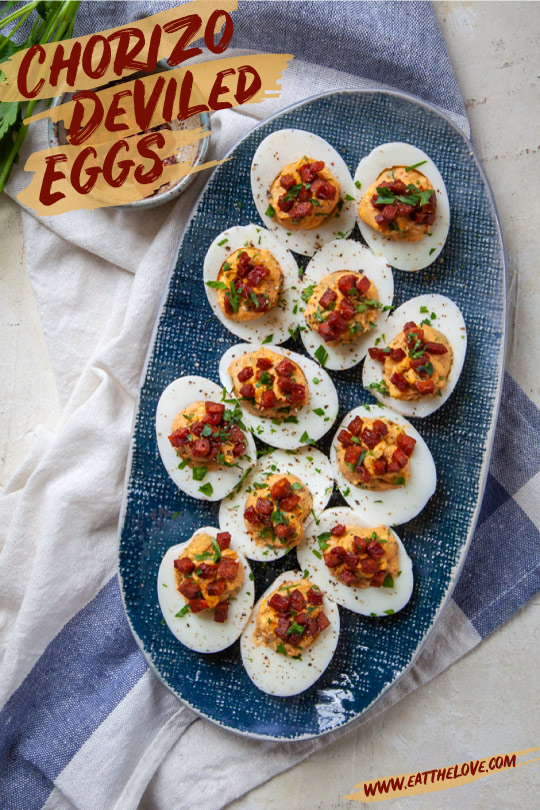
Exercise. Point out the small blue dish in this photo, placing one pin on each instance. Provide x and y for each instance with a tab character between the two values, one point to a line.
372	653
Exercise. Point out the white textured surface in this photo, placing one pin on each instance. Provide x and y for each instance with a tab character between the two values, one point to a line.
487	703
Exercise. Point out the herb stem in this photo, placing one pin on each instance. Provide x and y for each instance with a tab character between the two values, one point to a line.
15	14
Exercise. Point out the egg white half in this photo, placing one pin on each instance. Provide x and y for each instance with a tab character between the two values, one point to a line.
404	255
275	323
278	674
286	146
322	396
367	601
199	631
449	321
308	464
347	255
389	506
178	395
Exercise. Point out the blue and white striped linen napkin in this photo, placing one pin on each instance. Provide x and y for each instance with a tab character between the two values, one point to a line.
85	723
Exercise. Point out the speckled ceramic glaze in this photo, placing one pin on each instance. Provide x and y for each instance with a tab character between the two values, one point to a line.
372	652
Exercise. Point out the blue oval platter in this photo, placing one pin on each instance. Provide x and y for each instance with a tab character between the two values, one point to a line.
372	652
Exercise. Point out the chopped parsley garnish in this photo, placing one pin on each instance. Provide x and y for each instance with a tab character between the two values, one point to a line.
317	553
182	612
388	612
199	473
318	411
305	439
295	629
381	387
270	211
432	251
281	648
234	298
322	355
216	285
217	550
399	480
308	292
348	197
424	309
427	368
388	581
358	184
222	242
297	486
268	338
183	464
204	556
415	166
207	489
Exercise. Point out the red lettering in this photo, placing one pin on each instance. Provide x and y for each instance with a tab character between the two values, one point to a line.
114	111
92	171
218	89
210	31
69	64
127	51
144	112
123	165
77	132
22	75
49	176
185	95
88	57
144	149
244	93
192	23
170	98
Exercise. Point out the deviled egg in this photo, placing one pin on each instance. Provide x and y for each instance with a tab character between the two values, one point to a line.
205	592
302	189
291	636
287	399
361	567
203	442
346	297
273	507
403	209
415	365
382	465
250	280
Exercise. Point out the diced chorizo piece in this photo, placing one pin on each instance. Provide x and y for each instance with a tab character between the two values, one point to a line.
221	611
285	385
375	549
245	289
363	284
406	443
369	565
197	428
335	556
301	619
425	386
263	302
285	368
287	181
314	597
206	570
397	355
375	204
359	543
364	474
344	438
227	568
379	466
189	588
399	457
351	560
215	447
247	391
379	219
378	354
352	454
279	603
298	394
243	259
371	438
389	213
285	203
201	448
325	191
347	577
264	363
282	627
228	306
333	326
393	466
280	489
346	284
251	515
377	579
264	506
435	348
198	605
216	588
223	539
294	639
347	309
415	334
327	298
184	565
322	622
399	187
410	326
316	185
284	531
312	627
179	438
338	530
308	172
355	427
289	503
268	378
268	400
256	275
404	209
235	434
213	419
303	195
399	381
301	210
214	407
380	427
419	361
296	601
245	374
